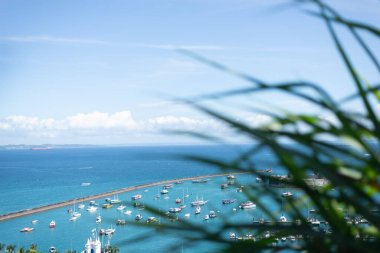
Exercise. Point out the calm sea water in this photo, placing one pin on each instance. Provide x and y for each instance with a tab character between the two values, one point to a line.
31	178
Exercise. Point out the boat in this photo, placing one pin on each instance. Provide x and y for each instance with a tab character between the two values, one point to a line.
223	186
182	206
128	212
108	231
187	215
233	236
115	200
76	214
164	191
136	197
259	179
315	222
178	200
198	210
107	206
73	218
52	249
287	194
26	229
167	186
212	214
81	206
92	209
52	224
206	217
121	222
34	221
98	219
199	202
175	210
93	203
229	177
247	205
283	218
151	220
85	184
228	201
138	217
200	181
121	208
178	182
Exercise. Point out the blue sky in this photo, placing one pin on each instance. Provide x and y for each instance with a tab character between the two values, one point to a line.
101	72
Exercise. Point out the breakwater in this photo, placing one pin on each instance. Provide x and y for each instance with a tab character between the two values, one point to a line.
56	205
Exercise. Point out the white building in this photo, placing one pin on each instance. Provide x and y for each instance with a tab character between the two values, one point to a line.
93	244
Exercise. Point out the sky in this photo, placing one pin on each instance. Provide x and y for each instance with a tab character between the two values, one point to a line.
109	72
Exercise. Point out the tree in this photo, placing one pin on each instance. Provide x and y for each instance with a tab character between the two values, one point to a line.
21	250
343	152
10	248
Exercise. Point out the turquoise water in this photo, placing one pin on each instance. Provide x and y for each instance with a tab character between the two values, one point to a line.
31	178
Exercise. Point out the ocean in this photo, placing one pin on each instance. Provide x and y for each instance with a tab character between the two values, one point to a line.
31	178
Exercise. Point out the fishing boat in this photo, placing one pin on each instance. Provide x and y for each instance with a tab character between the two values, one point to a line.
92	209
287	194
138	217
198	210
52	224
128	212
247	205
26	229
228	201
98	219
175	210
164	191
136	197
121	208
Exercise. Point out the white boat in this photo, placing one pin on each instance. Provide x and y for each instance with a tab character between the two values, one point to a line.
73	218
167	186
212	214
128	212
259	179
76	214
283	218
52	249
26	229
92	209
247	205
93	203
115	200
287	194
198	210
164	191
121	208
187	215
34	221
98	219
199	202
81	206
315	222
136	197
206	217
151	220
52	224
175	210
178	200
86	184
138	217
230	177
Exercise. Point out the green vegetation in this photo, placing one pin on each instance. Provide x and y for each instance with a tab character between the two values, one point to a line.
343	150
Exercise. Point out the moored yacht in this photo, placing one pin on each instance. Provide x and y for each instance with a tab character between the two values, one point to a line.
52	224
247	205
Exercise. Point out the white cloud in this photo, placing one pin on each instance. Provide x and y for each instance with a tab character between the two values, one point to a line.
104	125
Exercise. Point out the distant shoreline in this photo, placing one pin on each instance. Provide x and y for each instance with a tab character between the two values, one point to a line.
44	208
